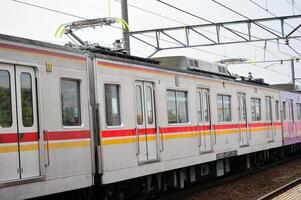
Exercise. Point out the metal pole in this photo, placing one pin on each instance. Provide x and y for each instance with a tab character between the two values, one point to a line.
293	74
124	16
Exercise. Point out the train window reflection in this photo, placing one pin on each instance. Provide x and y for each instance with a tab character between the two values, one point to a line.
5	100
149	105
277	109
224	108
284	110
70	97
256	109
26	100
139	111
112	101
177	108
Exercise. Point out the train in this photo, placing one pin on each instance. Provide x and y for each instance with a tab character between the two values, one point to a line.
87	120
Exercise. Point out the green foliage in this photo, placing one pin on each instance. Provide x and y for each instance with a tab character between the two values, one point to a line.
5	107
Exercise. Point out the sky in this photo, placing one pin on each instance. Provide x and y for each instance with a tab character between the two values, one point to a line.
19	19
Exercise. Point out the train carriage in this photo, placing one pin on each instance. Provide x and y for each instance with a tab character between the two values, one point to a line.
45	137
157	119
291	114
78	119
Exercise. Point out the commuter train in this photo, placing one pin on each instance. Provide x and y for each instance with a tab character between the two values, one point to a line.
93	119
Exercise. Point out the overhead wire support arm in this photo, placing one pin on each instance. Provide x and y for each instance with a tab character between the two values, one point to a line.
197	29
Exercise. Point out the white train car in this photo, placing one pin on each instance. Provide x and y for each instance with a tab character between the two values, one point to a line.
291	114
158	119
45	130
72	119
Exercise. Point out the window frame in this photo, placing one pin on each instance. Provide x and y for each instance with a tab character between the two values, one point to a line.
231	106
11	100
82	124
284	110
268	103
260	109
298	109
176	101
277	110
120	105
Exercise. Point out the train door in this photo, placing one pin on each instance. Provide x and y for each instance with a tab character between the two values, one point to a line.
269	119
204	121
290	118
19	137
146	130
242	120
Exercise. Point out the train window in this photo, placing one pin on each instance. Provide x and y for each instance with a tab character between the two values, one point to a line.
284	110
112	101
277	110
200	107
241	107
5	100
177	106
172	107
224	108
268	108
70	97
149	105
26	99
139	105
203	108
256	109
206	106
299	111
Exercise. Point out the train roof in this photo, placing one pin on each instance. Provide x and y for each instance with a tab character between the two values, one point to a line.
104	53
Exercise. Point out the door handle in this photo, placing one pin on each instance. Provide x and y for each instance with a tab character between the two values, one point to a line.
162	139
138	142
47	147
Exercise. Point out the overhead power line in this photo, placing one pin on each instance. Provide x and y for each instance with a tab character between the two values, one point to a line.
49	9
207	31
268	29
293	5
80	17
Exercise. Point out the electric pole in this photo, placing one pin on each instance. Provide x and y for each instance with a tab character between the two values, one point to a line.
125	31
293	74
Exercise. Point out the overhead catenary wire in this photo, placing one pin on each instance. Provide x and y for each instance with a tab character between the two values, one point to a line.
293	5
267	10
189	13
80	17
269	29
174	20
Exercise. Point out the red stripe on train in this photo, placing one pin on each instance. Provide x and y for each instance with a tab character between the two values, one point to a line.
128	132
67	135
13	137
33	136
178	129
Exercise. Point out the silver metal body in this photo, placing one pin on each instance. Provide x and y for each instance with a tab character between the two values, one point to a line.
48	157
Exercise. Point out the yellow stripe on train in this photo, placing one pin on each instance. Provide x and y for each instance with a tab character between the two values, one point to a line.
35	147
182	135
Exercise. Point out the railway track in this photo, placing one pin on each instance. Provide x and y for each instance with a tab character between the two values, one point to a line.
255	180
281	190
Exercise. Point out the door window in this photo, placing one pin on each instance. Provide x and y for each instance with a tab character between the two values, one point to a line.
5	100
139	112
149	105
26	99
